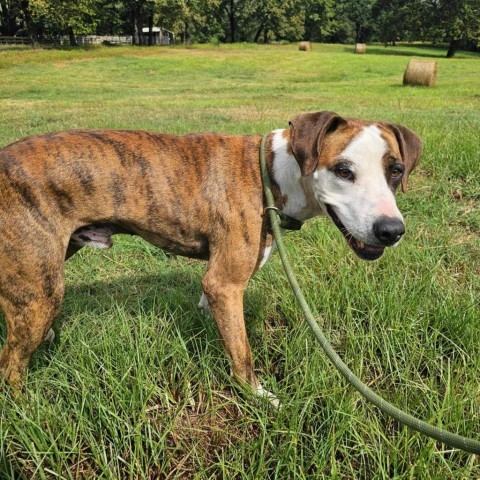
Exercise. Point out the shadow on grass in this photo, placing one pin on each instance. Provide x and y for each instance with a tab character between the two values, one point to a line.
9	471
399	51
405	50
176	290
138	296
196	427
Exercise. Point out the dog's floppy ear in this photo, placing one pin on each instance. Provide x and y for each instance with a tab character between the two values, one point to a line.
411	147
307	133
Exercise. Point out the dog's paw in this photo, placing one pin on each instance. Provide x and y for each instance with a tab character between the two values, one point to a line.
49	337
261	392
204	307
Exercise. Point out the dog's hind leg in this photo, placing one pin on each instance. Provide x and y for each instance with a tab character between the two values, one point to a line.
28	325
30	297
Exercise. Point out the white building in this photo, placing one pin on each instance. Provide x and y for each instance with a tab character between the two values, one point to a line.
160	36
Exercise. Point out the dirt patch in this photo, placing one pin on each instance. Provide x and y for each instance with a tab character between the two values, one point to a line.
201	432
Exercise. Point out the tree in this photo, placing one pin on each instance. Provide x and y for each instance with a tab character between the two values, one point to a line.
9	13
359	12
398	20
321	20
189	17
16	19
134	10
54	17
112	17
277	19
457	21
232	8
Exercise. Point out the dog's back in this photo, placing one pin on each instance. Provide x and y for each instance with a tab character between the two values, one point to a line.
146	182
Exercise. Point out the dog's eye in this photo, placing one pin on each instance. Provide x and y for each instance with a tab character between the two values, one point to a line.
344	172
396	172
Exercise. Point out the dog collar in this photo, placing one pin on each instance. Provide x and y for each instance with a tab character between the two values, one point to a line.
286	222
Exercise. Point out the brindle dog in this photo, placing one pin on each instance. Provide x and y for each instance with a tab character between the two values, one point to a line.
195	195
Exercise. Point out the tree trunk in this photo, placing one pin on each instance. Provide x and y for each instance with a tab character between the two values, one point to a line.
150	30
8	19
452	48
186	37
136	24
358	33
137	36
231	18
27	22
259	32
71	35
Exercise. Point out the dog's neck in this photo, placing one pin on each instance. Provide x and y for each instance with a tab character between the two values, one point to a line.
296	197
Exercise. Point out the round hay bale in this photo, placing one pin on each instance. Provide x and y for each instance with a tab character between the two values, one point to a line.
305	46
360	48
420	72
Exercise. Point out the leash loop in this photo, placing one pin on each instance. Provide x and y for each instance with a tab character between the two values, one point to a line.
286	222
448	438
275	209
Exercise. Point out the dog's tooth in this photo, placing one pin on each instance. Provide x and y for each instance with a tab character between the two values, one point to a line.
361	244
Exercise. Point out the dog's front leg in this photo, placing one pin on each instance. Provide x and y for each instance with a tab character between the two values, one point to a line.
223	286
226	304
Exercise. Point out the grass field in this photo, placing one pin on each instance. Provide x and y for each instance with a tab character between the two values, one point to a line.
137	385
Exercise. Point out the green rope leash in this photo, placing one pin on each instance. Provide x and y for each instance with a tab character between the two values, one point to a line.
448	438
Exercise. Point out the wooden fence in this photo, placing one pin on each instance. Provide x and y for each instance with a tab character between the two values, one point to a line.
167	39
14	40
110	39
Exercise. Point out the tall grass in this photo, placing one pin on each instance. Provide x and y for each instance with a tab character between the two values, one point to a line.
137	384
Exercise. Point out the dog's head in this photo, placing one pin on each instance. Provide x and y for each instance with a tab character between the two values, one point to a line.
354	169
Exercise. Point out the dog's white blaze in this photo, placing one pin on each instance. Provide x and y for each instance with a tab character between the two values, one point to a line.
288	175
387	207
360	203
368	144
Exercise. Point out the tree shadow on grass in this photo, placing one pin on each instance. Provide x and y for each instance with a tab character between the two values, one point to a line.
403	52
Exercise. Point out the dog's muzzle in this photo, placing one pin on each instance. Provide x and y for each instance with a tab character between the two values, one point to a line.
361	249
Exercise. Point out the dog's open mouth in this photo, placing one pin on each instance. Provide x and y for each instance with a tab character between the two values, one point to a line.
363	250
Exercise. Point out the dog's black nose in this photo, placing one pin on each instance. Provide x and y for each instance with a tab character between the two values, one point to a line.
388	230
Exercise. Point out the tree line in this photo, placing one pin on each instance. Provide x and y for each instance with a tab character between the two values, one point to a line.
456	22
